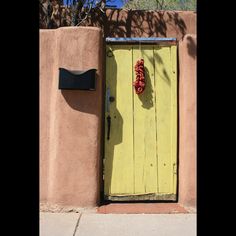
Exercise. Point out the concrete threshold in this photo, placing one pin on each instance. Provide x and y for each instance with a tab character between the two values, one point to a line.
140	208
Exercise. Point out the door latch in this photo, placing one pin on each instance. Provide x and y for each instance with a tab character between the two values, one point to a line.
108	126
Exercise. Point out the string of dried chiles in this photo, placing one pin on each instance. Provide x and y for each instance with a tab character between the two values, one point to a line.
139	83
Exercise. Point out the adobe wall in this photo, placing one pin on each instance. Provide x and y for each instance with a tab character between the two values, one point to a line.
70	121
135	23
187	121
47	59
139	23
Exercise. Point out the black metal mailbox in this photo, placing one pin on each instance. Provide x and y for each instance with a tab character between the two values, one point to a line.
81	80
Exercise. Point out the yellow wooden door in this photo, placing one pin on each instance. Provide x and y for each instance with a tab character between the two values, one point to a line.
140	158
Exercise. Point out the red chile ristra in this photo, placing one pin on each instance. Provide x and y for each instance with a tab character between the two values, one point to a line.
139	83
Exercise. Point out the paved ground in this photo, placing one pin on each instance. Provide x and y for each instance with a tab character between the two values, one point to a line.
89	224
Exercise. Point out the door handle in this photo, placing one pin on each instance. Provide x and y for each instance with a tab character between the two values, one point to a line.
108	126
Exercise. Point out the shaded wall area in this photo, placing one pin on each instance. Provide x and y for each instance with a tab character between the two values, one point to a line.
133	23
70	121
139	23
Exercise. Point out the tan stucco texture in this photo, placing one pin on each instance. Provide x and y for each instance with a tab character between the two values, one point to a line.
70	120
187	121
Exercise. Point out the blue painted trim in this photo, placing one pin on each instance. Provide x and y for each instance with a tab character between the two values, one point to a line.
139	39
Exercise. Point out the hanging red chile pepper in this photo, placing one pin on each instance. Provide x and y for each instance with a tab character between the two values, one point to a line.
139	83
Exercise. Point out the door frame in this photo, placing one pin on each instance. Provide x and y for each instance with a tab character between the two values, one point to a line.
127	41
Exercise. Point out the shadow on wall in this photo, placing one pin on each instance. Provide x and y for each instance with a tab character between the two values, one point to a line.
84	101
191	45
139	23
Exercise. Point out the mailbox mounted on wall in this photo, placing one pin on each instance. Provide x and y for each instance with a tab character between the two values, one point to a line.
77	80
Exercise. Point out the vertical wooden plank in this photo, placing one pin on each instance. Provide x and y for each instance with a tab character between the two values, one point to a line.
108	153
174	115
119	173
166	117
145	162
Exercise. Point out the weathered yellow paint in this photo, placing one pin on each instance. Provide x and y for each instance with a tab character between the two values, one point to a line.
119	149
141	155
174	116
166	118
145	163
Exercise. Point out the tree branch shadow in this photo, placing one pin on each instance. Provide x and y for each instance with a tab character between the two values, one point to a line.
133	23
